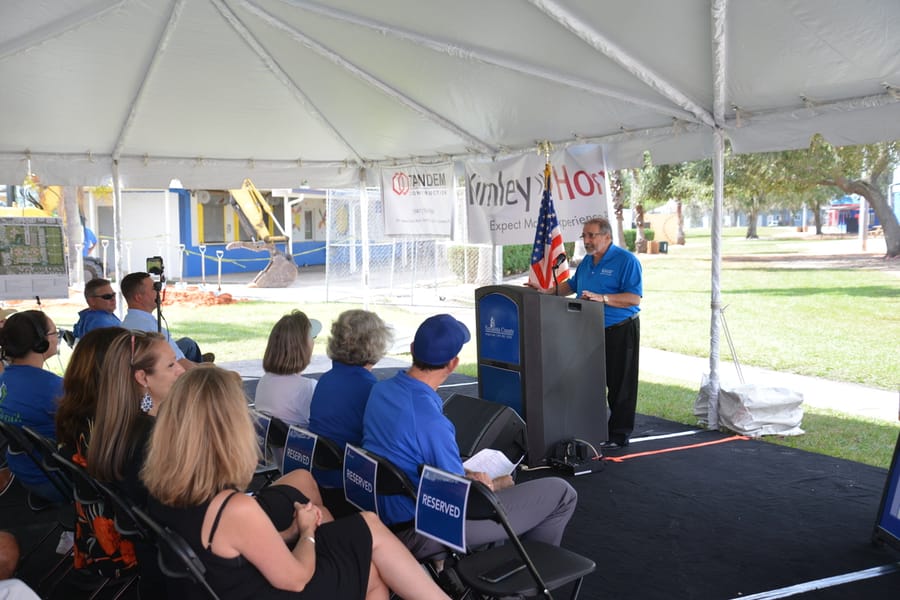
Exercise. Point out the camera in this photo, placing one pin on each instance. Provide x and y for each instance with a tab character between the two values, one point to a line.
156	270
155	266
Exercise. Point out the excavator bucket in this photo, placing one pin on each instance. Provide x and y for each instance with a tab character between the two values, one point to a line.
252	209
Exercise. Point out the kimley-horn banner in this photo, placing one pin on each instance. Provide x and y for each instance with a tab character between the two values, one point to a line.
418	200
503	198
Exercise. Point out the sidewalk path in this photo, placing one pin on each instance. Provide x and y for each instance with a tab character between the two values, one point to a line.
847	398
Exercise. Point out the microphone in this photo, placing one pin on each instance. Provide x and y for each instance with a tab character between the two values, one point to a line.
559	260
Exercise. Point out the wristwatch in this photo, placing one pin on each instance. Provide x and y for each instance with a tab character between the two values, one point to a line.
605	299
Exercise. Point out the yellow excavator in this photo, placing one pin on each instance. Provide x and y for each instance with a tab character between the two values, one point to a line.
252	209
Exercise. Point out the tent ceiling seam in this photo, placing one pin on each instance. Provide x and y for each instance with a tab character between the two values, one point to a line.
276	70
470	53
605	46
817	109
57	28
166	34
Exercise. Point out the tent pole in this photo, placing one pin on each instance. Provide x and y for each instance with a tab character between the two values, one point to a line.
716	269
117	221
364	235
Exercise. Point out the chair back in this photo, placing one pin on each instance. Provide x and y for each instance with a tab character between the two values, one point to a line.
360	478
176	557
517	568
299	449
262	422
100	548
40	450
441	507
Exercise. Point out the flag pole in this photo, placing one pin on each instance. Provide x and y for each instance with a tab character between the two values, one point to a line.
546	148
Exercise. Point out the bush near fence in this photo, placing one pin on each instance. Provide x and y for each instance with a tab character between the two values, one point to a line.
631	237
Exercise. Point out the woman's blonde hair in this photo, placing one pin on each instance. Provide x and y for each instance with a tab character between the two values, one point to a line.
119	402
204	440
289	350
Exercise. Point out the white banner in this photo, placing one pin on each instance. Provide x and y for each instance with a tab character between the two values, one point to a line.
503	198
418	200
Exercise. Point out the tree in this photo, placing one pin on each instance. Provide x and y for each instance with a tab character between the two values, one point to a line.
864	170
753	181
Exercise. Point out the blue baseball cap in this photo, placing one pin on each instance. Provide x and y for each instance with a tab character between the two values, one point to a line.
439	340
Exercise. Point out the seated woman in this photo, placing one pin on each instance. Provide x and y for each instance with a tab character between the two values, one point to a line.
282	392
98	544
359	339
29	393
81	384
202	456
138	372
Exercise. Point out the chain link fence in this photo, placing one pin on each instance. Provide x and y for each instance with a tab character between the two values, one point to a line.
362	263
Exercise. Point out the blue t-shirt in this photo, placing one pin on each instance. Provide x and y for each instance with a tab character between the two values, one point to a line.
88	320
405	424
337	409
141	320
29	397
618	271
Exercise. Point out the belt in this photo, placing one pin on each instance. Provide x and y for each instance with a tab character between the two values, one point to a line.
625	322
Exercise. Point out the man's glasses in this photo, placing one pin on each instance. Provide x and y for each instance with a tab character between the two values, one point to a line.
590	236
105	296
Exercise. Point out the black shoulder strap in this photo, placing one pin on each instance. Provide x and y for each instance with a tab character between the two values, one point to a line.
215	524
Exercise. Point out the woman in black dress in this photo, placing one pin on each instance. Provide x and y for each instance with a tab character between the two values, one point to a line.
202	456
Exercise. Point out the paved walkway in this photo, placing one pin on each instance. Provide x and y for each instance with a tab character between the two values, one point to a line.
847	398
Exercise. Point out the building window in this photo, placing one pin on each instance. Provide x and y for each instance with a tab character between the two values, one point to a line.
213	216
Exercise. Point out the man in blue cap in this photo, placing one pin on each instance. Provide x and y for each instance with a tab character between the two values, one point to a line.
404	423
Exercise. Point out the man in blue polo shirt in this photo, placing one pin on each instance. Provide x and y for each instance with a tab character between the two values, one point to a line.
404	423
140	295
612	275
101	301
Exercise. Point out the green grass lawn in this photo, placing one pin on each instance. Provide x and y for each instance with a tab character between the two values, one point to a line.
837	323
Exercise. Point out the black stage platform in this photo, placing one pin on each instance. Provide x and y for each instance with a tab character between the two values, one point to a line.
695	515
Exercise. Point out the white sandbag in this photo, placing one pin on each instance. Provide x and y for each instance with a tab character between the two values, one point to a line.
757	410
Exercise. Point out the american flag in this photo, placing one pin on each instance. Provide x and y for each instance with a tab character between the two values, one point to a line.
548	245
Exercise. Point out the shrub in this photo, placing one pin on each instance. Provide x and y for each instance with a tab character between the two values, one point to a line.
517	259
631	237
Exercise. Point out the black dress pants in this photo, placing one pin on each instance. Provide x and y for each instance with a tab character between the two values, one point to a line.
623	342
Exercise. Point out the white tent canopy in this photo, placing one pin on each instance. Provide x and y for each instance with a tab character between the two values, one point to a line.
286	91
289	92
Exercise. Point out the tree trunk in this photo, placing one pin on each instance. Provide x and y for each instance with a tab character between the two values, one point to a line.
678	210
754	217
818	219
640	243
74	230
878	201
615	182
